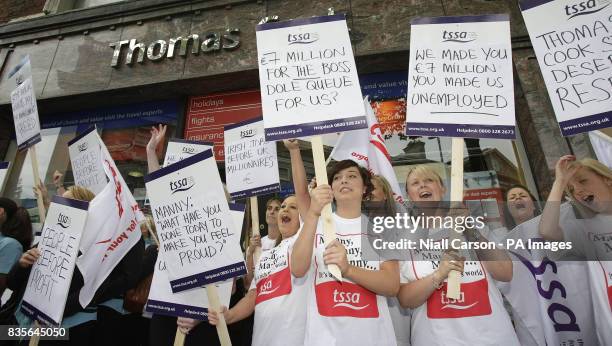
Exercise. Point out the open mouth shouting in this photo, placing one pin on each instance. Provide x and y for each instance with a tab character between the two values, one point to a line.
519	205
425	195
285	218
588	199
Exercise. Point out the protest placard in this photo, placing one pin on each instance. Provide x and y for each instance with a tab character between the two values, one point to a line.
179	149
4	171
574	49
460	77
23	102
25	118
251	164
87	167
308	78
46	292
193	223
191	303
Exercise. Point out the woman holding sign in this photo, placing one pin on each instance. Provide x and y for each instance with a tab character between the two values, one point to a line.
275	295
80	321
478	317
588	183
354	311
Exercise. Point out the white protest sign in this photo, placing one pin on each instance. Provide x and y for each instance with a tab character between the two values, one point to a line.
4	171
308	78
191	303
460	78
45	296
193	223
179	149
251	164
23	102
87	167
573	42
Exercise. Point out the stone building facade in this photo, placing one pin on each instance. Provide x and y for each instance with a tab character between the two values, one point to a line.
74	67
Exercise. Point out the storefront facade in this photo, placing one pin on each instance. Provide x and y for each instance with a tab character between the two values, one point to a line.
193	65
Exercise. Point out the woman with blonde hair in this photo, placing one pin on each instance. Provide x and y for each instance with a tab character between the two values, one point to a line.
588	184
478	317
275	295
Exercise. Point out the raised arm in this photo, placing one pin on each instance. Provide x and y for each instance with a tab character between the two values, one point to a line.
157	136
298	175
303	247
549	221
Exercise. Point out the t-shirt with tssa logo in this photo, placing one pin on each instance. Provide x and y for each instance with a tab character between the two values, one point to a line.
477	317
345	313
280	312
551	300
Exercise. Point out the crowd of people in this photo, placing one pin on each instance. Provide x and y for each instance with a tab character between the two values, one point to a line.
291	297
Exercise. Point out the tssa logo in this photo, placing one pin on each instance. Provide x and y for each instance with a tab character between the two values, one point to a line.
247	133
450	303
63	220
585	7
458	36
348	300
266	288
302	38
189	150
182	184
82	147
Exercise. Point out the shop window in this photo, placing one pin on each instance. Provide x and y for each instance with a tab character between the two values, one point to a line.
124	130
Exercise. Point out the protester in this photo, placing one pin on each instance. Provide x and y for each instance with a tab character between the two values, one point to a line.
274	289
588	184
355	310
478	317
80	321
541	318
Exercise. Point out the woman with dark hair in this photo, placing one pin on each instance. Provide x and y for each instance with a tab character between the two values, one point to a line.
541	318
521	206
15	236
354	311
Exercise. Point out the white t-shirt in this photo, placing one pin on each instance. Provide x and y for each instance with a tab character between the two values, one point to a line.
401	321
592	238
560	312
477	318
267	243
344	313
280	312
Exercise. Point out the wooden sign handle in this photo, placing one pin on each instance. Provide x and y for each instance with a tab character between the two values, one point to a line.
155	240
453	283
35	338
215	305
255	227
329	227
179	339
39	201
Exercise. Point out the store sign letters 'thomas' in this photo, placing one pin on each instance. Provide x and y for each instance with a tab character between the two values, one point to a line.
157	50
